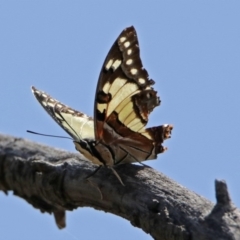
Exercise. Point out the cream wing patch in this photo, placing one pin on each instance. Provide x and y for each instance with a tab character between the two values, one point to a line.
106	87
109	64
81	126
136	125
128	116
117	84
131	117
116	64
101	107
124	92
126	110
146	134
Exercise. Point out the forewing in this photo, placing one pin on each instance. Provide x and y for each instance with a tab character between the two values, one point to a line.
124	88
124	99
77	124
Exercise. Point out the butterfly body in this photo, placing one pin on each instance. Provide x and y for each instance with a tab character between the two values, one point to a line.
123	101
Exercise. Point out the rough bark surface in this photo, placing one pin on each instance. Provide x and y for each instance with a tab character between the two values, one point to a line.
54	181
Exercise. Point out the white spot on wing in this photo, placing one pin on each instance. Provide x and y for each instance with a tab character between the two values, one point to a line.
70	111
126	44
129	61
59	105
133	71
122	39
129	51
141	80
52	104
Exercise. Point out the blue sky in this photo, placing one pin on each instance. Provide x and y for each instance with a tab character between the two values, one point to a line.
190	48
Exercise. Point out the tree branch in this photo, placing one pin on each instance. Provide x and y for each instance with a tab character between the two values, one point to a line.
54	181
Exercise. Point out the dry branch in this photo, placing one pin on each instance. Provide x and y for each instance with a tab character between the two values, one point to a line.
54	181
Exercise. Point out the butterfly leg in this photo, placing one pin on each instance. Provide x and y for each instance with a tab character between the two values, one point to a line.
113	170
95	171
126	156
94	185
116	174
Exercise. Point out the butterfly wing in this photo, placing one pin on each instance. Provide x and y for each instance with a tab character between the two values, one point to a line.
124	99
77	124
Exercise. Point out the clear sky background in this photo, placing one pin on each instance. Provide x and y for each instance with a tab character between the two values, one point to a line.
190	48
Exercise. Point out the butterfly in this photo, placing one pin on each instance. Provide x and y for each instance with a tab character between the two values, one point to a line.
124	100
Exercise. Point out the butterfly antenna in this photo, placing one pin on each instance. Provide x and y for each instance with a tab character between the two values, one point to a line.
48	135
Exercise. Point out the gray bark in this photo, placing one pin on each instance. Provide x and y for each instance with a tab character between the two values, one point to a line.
54	181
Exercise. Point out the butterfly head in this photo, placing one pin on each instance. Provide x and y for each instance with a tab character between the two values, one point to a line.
86	148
